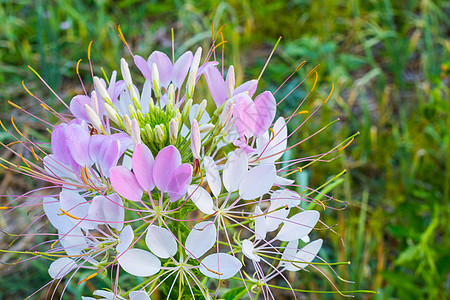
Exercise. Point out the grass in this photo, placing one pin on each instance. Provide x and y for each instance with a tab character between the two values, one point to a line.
389	62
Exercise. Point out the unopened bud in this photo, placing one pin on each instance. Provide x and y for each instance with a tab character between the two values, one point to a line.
171	97
112	114
186	109
149	133
129	83
196	142
160	136
94	102
125	72
206	128
230	82
94	118
102	90
173	131
156	82
127	123
132	111
201	110
135	132
190	86
227	112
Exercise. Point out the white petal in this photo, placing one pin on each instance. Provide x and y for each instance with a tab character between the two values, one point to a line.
59	221
260	224
305	239
161	241
201	238
279	142
73	241
60	267
273	149
298	225
289	253
235	169
224	266
75	205
257	181
212	175
305	255
280	198
140	295
139	262
202	199
248	249
283	181
125	238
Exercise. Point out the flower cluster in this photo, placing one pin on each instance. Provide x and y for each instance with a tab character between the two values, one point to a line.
152	185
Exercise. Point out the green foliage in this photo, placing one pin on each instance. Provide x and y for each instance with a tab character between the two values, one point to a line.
388	60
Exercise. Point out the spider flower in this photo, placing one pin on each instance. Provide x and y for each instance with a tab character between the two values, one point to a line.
157	182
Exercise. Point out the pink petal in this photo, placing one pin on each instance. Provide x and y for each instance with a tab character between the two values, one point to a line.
245	115
143	166
125	184
249	86
164	65
142	65
266	107
77	139
59	145
167	160
202	69
216	85
77	107
110	154
178	185
181	68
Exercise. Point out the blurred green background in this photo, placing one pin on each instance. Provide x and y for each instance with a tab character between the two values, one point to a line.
389	61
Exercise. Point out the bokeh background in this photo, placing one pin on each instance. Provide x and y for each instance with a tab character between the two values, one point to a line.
388	60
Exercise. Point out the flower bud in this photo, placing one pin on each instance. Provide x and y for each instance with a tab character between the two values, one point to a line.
206	128
94	118
127	123
196	142
112	114
160	136
149	133
156	82
102	90
201	110
125	72
129	83
135	132
193	73
227	112
230	82
171	97
173	130
186	109
94	102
